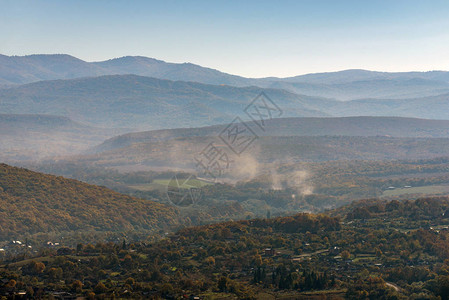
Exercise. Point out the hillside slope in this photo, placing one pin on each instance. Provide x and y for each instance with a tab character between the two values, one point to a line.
312	126
31	68
33	202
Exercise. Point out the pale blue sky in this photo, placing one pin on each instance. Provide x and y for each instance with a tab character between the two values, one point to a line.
248	38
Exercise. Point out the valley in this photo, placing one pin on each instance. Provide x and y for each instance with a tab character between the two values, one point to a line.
342	193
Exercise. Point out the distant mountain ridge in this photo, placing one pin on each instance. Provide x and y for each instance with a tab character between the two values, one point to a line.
131	101
287	140
342	85
32	68
144	103
151	67
312	126
352	75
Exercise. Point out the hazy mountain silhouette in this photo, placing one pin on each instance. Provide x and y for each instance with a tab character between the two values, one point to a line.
130	101
343	85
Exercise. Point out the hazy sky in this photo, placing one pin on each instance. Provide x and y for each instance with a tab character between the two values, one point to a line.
249	38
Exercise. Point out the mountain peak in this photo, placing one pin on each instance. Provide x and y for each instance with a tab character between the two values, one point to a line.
129	59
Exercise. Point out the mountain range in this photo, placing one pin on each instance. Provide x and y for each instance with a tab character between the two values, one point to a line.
137	102
61	105
343	85
144	103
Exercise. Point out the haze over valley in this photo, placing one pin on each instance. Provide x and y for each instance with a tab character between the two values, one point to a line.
224	150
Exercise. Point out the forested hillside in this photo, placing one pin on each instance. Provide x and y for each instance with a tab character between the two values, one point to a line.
33	202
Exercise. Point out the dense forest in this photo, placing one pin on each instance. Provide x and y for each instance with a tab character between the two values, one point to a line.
368	250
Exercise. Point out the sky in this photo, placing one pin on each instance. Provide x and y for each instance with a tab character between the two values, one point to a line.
247	38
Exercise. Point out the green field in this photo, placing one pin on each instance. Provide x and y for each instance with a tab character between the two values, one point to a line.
428	189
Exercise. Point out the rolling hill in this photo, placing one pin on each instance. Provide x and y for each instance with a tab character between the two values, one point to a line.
342	85
38	203
308	126
31	68
143	103
284	140
130	101
266	152
151	67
